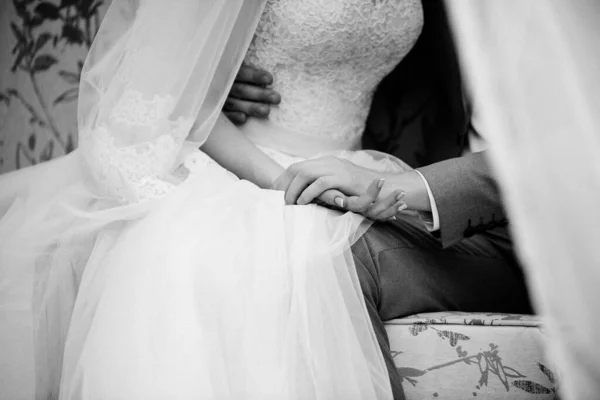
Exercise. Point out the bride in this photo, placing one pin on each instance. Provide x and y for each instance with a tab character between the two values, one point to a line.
138	267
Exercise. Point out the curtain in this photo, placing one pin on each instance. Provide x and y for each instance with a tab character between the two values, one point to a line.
533	67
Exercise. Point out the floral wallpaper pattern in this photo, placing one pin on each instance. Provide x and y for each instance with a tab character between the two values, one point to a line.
43	45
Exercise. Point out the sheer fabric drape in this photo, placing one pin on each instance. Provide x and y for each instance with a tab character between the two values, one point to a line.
533	67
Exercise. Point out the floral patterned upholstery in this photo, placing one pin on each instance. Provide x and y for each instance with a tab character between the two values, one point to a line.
454	355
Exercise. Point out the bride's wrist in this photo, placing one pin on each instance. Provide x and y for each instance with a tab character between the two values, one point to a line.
268	177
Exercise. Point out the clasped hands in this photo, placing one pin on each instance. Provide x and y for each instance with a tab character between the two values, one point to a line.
330	181
341	184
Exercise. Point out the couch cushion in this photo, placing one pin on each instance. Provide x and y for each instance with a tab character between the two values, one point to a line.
454	355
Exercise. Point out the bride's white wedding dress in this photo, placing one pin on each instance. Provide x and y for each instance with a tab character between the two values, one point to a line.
135	280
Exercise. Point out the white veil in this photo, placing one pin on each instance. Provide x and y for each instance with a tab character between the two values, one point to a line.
186	50
156	69
534	67
179	56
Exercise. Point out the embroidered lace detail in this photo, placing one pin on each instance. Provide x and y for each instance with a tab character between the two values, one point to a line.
328	56
133	110
131	158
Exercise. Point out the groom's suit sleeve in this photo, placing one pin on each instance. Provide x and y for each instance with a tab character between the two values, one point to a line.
466	197
419	114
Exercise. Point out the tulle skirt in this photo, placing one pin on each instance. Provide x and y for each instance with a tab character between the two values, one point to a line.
216	291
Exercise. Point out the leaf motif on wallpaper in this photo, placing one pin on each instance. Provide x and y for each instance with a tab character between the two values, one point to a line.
43	63
41	41
48	10
47	152
69	77
38	28
72	34
31	141
67	96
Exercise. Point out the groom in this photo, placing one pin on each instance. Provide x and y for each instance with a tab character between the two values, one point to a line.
460	255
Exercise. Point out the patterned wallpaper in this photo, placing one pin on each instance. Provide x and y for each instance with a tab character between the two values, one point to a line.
42	48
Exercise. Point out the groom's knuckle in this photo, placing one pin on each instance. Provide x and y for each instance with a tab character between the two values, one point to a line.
363	207
355	206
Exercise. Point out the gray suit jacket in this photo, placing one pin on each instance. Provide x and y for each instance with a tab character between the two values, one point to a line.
466	196
420	115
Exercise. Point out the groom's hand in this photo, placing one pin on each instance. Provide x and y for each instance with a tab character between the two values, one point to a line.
370	204
250	95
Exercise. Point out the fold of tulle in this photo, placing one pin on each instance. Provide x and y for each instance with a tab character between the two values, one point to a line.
216	291
49	221
30	227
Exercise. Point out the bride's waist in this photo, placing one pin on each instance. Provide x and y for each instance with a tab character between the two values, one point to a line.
277	136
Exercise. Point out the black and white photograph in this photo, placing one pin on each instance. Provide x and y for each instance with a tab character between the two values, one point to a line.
299	199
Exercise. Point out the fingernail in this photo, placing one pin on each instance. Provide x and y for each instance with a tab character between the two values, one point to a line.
274	98
266	79
400	196
393	218
339	201
402	207
263	110
380	183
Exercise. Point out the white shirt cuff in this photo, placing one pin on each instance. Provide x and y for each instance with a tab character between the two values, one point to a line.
431	220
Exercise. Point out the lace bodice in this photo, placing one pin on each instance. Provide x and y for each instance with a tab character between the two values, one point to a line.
327	57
